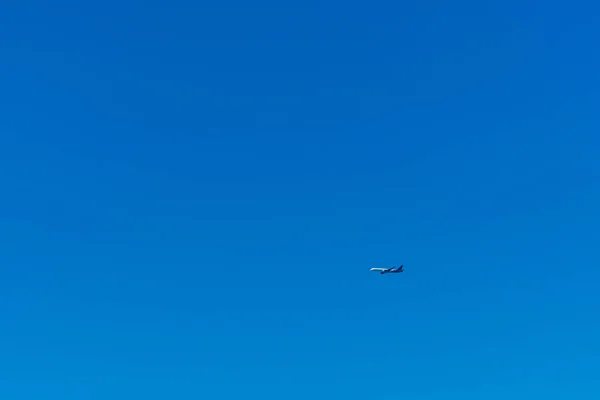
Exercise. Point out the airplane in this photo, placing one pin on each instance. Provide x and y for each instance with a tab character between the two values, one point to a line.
389	270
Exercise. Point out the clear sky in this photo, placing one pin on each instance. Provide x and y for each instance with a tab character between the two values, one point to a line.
192	195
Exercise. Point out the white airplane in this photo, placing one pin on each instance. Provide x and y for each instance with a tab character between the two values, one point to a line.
389	270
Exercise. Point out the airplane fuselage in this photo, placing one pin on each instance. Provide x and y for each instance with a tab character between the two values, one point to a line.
388	270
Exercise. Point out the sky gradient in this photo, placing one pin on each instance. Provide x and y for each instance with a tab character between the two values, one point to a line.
193	193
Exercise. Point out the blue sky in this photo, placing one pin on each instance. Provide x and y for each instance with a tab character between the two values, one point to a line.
193	194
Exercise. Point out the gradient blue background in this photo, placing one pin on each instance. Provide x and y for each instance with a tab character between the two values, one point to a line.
192	195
